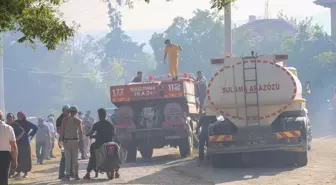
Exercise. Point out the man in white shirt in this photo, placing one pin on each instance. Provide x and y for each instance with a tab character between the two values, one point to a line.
8	150
52	138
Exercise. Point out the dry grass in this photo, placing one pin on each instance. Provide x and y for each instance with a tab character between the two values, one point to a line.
57	150
39	171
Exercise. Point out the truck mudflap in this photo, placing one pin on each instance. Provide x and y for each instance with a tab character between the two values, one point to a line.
285	141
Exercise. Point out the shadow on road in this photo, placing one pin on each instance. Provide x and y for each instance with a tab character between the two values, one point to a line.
226	175
174	170
156	160
93	181
258	166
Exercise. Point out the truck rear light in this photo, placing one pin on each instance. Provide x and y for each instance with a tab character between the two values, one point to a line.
185	75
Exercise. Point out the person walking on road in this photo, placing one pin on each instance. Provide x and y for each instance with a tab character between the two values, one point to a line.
65	113
88	122
105	132
71	135
172	51
18	131
51	129
51	119
42	140
82	146
24	155
8	150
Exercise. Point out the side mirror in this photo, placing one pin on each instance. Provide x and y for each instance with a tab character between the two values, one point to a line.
307	87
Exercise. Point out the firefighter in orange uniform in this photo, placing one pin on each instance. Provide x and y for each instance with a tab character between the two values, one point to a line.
172	51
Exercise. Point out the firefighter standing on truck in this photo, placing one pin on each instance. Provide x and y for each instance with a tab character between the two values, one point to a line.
172	51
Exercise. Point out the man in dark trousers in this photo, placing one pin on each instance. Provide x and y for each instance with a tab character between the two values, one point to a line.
138	78
105	132
65	113
204	123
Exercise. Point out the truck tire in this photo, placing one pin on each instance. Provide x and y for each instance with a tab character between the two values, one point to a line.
186	146
301	158
131	153
216	160
309	135
146	151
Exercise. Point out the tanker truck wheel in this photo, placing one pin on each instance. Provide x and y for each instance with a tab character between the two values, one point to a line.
131	153
310	136
186	146
301	158
216	160
146	151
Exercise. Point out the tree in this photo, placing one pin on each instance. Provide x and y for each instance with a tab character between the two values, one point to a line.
36	19
215	4
119	47
39	19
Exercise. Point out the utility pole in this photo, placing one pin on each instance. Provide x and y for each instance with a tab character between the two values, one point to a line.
227	31
2	80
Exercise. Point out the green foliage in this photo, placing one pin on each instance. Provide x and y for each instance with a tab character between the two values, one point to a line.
220	4
215	4
36	19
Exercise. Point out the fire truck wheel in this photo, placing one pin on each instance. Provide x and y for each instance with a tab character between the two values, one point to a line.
146	151
131	153
186	146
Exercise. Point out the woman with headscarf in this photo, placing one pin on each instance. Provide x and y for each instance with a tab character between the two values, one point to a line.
18	131
24	157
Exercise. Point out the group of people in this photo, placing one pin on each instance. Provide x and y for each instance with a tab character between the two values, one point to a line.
71	137
15	136
84	142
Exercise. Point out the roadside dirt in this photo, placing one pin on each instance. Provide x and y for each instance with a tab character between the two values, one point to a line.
167	168
319	171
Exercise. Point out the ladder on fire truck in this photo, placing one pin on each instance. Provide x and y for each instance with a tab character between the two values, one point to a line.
251	98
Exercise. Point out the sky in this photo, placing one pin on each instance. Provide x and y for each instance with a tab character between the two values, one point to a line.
92	14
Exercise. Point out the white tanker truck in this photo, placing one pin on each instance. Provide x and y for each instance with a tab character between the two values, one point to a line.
261	101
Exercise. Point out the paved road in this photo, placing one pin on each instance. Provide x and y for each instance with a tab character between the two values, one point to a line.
166	168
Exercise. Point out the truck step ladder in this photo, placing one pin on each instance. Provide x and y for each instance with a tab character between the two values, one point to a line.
251	102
